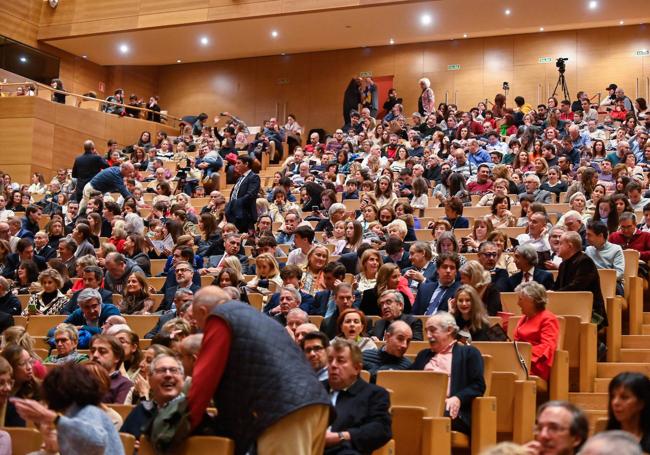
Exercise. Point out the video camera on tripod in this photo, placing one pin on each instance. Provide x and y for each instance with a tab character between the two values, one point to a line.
561	81
560	65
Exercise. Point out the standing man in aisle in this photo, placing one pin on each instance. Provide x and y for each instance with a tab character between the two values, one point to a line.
85	167
241	209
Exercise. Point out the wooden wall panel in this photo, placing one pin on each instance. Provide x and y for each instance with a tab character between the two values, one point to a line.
316	81
20	20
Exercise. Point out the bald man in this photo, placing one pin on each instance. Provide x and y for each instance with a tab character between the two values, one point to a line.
247	358
391	356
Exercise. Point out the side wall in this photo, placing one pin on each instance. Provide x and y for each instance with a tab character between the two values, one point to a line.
311	85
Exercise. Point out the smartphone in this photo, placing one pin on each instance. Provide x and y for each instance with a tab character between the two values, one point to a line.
314	209
31	308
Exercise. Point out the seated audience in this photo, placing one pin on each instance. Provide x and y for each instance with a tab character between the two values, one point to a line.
470	314
463	364
434	296
66	338
351	325
629	407
560	428
107	351
538	326
526	259
363	422
314	344
391	304
391	356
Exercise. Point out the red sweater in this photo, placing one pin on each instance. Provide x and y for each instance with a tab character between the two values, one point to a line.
639	241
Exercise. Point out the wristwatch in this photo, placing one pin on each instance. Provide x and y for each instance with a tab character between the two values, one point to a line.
341	436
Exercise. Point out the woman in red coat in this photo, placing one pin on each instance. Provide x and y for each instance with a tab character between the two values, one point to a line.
538	326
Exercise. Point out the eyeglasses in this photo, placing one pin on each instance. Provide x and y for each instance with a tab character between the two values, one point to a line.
489	255
182	270
61	340
552	428
164	370
314	349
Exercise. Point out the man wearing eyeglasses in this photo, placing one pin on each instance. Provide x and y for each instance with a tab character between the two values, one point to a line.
315	345
560	428
488	256
166	379
629	236
531	183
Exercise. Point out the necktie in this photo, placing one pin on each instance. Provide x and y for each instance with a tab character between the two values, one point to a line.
331	306
235	191
436	298
527	277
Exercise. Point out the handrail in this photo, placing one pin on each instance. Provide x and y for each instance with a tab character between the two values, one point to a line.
87	98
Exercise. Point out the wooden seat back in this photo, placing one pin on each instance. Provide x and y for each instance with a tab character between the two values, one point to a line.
416	388
128	442
41	324
195	445
141	324
157	266
24	440
122	409
561	303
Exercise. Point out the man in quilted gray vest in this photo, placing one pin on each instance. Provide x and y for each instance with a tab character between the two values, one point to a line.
266	392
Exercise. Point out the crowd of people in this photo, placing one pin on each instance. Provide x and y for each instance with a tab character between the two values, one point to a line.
333	233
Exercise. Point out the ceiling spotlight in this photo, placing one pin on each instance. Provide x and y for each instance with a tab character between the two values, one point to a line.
23	59
541	29
425	19
84	56
283	54
621	22
464	35
593	4
391	41
124	48
274	33
507	12
178	61
204	40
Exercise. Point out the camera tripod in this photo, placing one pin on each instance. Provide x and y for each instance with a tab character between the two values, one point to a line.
561	84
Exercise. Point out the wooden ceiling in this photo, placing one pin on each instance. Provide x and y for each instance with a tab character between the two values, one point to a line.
367	24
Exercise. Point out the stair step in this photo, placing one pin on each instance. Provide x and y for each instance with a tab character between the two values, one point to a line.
635	341
635	355
592	401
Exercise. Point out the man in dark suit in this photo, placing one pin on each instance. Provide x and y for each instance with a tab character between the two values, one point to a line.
395	253
184	275
363	423
41	246
183	301
323	302
232	246
423	268
465	375
344	298
86	166
526	260
24	252
434	296
579	273
290	275
241	209
92	276
488	255
391	305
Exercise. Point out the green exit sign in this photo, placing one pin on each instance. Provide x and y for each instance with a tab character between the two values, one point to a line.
453	67
545	60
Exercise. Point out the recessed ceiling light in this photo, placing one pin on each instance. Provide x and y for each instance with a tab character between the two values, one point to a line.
283	54
23	59
391	41
425	19
178	61
541	29
204	40
84	56
464	35
621	22
593	4
124	48
507	12
274	33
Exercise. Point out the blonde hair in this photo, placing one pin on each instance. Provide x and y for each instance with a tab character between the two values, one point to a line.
232	262
53	275
477	315
269	259
478	276
18	335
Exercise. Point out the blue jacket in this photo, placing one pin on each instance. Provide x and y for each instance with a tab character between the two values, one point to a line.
479	157
110	180
77	319
425	293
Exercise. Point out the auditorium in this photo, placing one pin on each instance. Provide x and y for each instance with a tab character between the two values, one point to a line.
333	227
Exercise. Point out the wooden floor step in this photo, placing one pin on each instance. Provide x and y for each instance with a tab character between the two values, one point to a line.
593	401
635	355
635	342
611	369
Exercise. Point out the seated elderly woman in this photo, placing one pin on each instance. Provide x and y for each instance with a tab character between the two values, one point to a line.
50	300
465	378
351	325
538	326
73	395
66	337
136	298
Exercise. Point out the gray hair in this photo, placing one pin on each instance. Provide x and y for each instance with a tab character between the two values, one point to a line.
233	292
422	247
69	330
336	207
533	177
294	292
534	291
4	284
180	292
445	321
627	216
396	295
193	343
574	240
88	294
133	224
573	214
300	312
160	357
574	196
528	252
613	441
